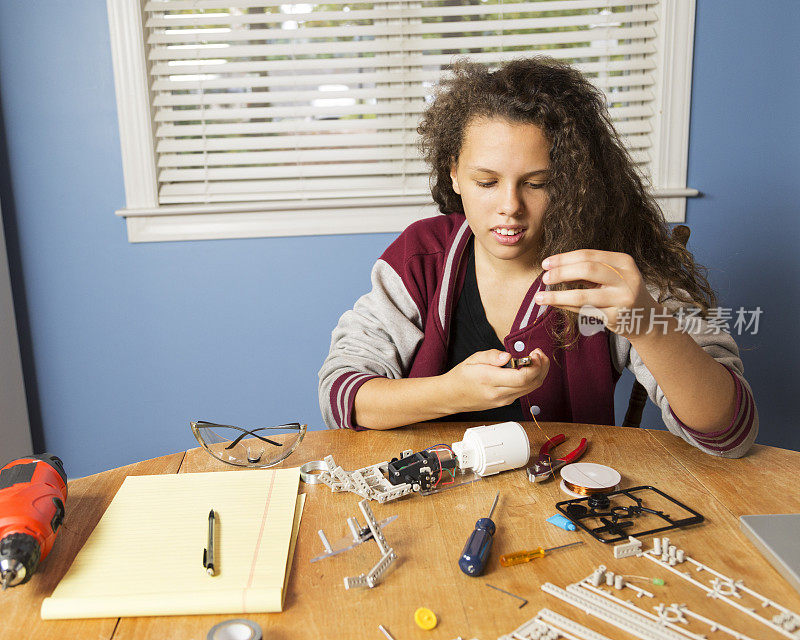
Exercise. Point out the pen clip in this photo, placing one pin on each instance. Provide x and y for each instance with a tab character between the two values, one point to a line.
205	558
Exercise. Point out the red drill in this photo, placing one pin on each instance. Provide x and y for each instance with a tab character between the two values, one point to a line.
32	494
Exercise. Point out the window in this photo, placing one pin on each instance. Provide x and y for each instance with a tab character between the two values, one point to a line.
245	118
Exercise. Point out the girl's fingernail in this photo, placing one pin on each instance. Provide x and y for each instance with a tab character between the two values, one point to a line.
539	297
546	277
546	263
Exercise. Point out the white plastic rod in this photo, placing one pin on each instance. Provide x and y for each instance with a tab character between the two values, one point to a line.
642	612
566	626
325	543
628	621
712	623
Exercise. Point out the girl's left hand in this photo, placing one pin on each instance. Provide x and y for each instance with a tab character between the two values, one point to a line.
619	292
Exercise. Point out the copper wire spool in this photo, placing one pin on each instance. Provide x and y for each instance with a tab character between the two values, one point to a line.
588	478
585	491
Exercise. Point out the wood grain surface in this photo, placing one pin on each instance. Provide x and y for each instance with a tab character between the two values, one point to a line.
87	500
431	531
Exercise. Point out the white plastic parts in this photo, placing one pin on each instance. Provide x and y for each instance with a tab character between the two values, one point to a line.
373	531
388	556
493	448
631	548
611	612
726	589
370	482
549	625
721	588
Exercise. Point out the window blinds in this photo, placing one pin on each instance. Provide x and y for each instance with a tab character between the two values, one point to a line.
265	101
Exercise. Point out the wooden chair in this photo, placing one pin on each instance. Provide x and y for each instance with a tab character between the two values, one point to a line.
633	417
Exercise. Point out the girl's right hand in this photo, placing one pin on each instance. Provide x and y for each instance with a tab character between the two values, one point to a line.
481	381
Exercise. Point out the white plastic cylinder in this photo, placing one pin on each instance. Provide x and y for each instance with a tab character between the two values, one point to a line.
493	448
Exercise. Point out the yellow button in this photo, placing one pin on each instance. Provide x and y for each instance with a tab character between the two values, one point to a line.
425	618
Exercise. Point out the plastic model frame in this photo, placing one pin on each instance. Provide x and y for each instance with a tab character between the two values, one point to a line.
484	450
549	625
617	519
726	589
412	473
373	531
668	621
369	482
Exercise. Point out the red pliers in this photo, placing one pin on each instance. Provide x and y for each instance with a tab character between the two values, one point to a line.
545	465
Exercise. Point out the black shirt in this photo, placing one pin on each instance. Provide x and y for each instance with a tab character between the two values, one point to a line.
471	332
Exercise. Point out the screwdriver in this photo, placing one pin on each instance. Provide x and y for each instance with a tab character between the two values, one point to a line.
473	557
510	559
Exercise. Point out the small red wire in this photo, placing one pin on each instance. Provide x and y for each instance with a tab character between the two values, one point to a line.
441	468
441	471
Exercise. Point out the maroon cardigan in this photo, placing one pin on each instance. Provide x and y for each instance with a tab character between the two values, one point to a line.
427	264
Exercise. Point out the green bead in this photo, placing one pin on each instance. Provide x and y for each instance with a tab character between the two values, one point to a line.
658	581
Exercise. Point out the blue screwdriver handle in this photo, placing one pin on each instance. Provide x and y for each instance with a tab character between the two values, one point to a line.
476	551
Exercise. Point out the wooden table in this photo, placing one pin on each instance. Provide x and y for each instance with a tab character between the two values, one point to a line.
431	531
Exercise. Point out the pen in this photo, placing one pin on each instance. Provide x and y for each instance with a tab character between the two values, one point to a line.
208	552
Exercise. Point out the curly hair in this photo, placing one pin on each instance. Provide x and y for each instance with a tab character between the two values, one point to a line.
597	199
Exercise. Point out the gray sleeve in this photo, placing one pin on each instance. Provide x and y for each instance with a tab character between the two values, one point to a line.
377	338
734	440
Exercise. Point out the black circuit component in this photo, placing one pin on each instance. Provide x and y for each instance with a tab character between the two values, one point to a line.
421	470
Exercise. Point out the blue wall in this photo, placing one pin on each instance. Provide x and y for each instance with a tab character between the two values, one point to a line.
125	343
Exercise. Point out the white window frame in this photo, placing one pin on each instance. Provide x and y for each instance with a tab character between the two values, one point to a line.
149	221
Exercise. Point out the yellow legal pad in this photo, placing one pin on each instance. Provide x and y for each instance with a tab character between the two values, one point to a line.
145	557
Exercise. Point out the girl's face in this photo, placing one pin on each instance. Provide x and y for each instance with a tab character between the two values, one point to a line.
500	176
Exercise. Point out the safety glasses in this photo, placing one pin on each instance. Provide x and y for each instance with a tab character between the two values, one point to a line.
255	448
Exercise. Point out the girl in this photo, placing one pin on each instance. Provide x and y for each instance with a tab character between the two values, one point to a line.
550	248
